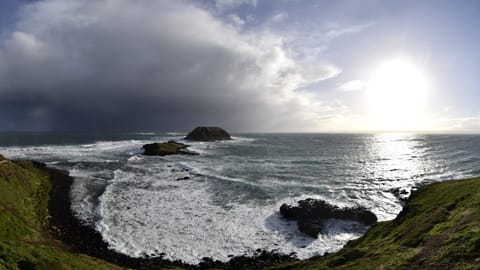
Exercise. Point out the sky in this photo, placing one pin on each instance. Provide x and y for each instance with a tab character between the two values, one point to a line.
245	65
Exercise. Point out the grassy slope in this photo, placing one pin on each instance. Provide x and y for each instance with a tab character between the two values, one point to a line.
24	239
438	229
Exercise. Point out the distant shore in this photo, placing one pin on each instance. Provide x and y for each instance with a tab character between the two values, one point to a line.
81	238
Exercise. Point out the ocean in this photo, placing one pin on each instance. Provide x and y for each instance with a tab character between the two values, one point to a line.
225	201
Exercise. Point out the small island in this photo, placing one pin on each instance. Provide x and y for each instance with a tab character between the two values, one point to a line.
208	134
167	148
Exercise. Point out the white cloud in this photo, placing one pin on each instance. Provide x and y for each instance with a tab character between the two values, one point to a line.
24	44
229	4
354	85
447	108
279	17
315	72
236	20
456	124
98	64
250	18
334	31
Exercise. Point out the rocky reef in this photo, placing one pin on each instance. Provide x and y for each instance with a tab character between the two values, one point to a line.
208	134
310	215
167	148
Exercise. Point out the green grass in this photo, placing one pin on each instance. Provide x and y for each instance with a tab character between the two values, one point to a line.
24	239
438	229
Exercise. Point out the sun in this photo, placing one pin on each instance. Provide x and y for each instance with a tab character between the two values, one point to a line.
397	96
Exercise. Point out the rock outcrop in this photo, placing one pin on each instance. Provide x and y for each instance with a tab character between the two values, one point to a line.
207	134
166	148
311	213
401	194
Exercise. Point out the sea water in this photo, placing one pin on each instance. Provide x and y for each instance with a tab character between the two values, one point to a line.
228	205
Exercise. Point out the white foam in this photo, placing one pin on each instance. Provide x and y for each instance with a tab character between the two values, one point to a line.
52	162
210	171
180	220
205	148
236	139
95	152
143	209
176	133
135	158
145	133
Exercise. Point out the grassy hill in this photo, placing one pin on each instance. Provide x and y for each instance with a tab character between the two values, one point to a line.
439	228
25	239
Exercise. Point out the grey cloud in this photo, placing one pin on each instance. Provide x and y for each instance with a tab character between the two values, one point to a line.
166	65
229	4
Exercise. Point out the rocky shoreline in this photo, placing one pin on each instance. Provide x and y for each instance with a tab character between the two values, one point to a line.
439	218
81	238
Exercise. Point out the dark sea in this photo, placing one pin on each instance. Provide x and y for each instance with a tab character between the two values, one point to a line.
228	204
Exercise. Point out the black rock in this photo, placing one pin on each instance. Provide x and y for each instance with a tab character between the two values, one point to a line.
166	148
401	194
311	213
208	134
310	227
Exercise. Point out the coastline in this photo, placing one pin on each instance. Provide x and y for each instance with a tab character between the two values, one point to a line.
81	238
438	228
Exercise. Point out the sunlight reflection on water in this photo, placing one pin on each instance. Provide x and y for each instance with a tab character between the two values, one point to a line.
397	155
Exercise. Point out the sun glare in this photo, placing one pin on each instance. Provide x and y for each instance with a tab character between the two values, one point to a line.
396	94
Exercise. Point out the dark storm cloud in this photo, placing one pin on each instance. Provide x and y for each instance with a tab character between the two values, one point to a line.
141	65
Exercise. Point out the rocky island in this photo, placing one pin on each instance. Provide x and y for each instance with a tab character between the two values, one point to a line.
208	134
166	148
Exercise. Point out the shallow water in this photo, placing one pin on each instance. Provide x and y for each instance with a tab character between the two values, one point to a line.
229	206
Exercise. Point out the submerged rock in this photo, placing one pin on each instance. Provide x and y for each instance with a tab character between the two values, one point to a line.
311	213
166	148
208	134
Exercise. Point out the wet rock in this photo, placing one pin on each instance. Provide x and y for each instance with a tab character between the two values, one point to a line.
310	227
401	194
259	260
208	134
310	215
166	148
